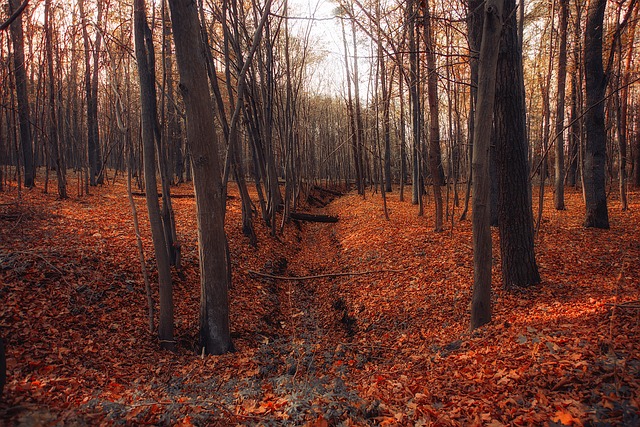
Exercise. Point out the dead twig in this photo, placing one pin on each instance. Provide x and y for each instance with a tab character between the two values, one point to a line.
322	276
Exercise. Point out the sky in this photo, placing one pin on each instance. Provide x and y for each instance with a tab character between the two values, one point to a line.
326	38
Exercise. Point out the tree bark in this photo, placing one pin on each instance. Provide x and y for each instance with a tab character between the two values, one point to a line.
515	214
481	300
54	140
597	215
91	82
22	97
352	118
558	198
623	104
414	96
215	335
435	155
143	45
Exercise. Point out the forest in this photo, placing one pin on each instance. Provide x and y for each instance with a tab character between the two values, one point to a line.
319	213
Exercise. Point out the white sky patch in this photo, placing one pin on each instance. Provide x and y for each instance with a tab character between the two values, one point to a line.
325	42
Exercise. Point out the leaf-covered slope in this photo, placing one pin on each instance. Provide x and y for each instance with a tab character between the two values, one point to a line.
388	347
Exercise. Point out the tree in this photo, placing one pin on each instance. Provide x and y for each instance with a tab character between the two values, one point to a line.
475	19
22	96
597	215
414	96
54	140
91	91
146	63
515	216
355	140
215	335
435	156
558	198
492	26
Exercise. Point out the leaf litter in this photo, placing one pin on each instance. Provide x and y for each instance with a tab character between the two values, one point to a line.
389	348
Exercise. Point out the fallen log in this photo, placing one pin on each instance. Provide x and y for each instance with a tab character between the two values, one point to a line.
312	217
328	190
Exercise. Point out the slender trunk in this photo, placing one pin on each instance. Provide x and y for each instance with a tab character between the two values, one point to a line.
435	155
474	28
143	47
623	112
415	106
481	300
22	97
403	136
352	118
595	151
559	131
358	109
56	152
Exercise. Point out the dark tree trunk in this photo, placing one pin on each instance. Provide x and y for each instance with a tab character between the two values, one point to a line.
515	214
595	151
435	155
364	170
22	97
54	140
403	138
143	47
414	96
574	136
352	118
475	20
481	302
215	334
558	198
91	93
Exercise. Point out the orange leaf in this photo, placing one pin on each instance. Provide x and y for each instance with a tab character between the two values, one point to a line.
566	418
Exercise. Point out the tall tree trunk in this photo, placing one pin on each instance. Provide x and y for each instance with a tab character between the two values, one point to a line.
358	109
352	117
22	97
143	47
481	301
215	334
574	136
474	29
595	151
54	140
164	156
576	129
435	155
93	147
558	198
414	93
515	214
385	84
403	134
623	112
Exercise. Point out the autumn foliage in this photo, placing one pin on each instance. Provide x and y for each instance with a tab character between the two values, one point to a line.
389	347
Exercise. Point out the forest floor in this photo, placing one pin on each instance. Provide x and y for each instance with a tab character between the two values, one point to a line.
387	347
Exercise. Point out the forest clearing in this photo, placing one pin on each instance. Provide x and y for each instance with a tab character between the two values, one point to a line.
389	347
